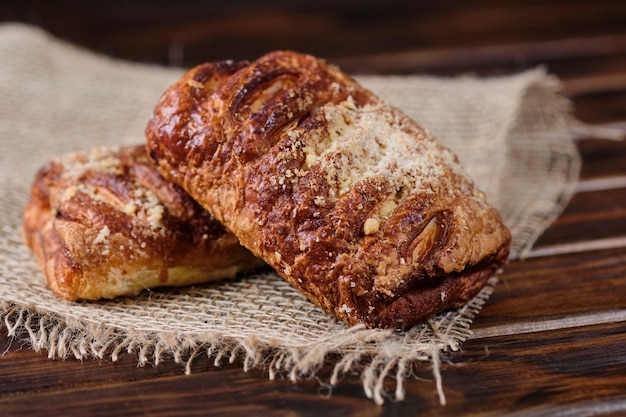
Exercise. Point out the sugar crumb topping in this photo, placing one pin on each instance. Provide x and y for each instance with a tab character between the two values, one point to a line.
103	235
100	159
69	193
195	84
371	226
363	143
141	202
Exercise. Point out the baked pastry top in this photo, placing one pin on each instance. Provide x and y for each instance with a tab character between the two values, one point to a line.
349	199
104	223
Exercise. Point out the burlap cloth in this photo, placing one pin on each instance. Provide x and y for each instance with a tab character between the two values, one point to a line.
512	134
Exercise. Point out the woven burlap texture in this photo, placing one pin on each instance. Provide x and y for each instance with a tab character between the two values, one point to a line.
511	133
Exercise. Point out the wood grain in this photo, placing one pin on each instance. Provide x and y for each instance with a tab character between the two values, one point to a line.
358	34
570	286
551	341
550	372
591	215
603	158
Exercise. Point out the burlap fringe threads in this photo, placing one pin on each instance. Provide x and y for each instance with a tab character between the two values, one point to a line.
63	339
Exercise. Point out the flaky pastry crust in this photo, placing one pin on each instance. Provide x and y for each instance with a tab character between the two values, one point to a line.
104	223
350	200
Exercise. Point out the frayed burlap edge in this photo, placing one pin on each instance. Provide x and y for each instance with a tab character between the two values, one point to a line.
363	351
564	165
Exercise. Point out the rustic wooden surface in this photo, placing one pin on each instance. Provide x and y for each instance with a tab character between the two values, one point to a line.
552	339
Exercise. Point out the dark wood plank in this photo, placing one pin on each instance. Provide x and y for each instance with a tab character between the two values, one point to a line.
544	373
33	385
590	216
579	285
603	107
26	371
570	58
195	32
549	373
602	158
598	210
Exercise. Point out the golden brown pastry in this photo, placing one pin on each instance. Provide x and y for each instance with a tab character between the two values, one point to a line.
350	200
104	223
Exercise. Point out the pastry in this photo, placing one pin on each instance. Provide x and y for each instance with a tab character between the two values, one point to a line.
103	223
350	200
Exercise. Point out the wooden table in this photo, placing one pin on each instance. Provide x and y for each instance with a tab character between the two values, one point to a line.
551	341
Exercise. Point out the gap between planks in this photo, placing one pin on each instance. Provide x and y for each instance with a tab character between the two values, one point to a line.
601	184
597	184
595	407
569	322
575	247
